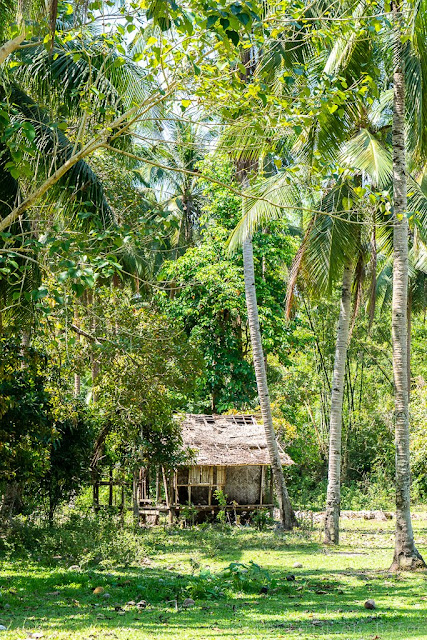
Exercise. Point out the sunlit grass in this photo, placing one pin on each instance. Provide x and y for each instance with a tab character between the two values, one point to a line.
326	600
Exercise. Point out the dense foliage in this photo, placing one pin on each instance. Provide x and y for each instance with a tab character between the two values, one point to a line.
132	138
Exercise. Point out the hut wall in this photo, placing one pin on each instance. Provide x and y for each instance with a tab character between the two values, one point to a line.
243	484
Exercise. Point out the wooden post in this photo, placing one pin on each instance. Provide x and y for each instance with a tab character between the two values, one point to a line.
165	486
168	505
172	511
271	494
122	503
261	483
110	488
147	482
158	488
95	489
135	495
211	474
175	487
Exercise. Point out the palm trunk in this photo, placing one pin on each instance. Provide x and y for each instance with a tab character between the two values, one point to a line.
333	498
406	555
287	517
408	341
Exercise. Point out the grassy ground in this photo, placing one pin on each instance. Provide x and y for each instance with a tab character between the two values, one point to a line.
326	599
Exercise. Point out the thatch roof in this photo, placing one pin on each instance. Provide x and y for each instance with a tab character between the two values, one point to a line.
227	440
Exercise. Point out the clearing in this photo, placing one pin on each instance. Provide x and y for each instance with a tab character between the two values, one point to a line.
326	599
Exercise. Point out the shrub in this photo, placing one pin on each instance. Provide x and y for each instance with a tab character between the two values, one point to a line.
83	539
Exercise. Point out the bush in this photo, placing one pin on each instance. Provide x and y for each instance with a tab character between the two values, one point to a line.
261	519
85	540
373	492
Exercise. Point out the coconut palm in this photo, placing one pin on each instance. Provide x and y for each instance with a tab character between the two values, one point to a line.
406	556
286	512
178	148
366	152
334	241
247	154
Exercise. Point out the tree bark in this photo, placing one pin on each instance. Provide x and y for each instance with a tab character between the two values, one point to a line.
406	555
287	516
333	497
408	340
10	46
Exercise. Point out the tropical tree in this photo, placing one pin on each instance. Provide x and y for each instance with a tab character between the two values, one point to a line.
246	161
286	512
367	155
406	556
175	155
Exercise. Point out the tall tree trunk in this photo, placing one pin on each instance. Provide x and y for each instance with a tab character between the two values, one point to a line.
287	516
243	166
408	340
333	497
406	555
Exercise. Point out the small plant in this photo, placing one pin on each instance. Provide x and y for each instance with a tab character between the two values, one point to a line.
222	502
237	577
189	513
206	585
246	577
261	519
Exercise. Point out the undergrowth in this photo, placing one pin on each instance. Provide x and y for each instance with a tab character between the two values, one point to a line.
86	540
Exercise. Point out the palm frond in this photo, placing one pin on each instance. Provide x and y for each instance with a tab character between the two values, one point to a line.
416	80
381	112
81	183
332	242
348	48
295	269
384	288
417	206
79	71
365	153
264	203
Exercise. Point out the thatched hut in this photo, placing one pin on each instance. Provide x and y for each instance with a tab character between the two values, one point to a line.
227	453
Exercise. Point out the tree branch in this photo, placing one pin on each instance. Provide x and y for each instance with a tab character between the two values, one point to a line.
87	335
10	46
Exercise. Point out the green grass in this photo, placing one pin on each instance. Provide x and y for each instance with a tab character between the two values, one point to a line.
325	601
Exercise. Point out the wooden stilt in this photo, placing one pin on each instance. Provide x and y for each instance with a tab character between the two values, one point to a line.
158	486
261	490
135	495
110	487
